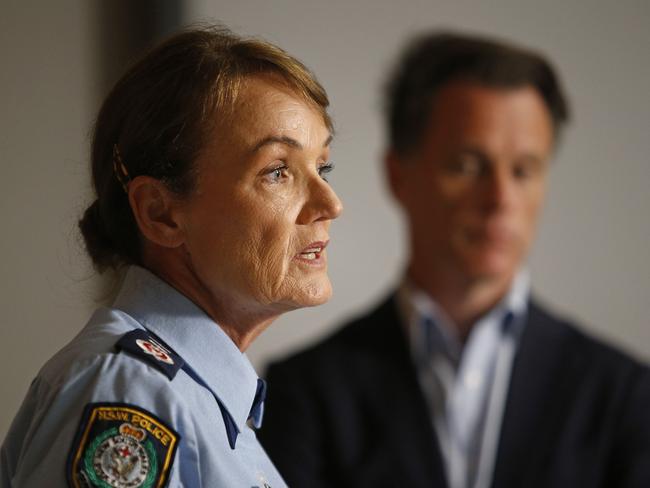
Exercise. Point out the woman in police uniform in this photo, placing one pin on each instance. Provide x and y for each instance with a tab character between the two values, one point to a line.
208	161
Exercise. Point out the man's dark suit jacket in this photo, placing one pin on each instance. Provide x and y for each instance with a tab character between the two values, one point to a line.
349	412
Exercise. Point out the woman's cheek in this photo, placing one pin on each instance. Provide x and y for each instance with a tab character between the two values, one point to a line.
266	280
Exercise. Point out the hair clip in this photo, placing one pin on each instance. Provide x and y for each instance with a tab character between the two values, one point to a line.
121	173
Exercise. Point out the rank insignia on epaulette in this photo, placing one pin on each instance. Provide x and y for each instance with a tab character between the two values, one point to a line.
146	346
121	446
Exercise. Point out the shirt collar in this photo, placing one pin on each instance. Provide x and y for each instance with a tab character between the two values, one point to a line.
195	337
415	305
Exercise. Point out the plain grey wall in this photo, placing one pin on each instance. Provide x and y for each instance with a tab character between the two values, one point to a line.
48	92
591	259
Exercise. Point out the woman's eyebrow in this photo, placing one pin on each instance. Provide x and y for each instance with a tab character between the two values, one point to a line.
287	141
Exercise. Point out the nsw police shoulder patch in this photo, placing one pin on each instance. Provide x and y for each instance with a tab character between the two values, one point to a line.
121	446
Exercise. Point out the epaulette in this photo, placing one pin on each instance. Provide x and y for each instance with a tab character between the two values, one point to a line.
146	346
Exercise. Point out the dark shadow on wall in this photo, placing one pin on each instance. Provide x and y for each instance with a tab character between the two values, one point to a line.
126	29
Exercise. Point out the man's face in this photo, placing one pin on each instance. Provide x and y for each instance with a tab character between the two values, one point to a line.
474	187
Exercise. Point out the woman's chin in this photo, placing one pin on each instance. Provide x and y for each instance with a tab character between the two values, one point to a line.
313	294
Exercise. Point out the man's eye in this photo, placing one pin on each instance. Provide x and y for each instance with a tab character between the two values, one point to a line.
467	166
528	168
325	169
521	172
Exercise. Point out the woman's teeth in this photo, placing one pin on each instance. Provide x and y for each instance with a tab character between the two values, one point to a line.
311	253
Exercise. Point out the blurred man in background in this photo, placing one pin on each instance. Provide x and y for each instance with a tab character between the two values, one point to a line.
460	378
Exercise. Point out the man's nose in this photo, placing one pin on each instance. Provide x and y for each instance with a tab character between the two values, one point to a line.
500	188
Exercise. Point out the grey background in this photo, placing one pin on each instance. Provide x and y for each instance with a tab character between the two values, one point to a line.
591	259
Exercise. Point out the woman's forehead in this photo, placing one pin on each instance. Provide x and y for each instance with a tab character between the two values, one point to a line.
266	108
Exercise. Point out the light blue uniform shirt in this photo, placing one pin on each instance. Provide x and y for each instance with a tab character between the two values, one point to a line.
208	403
465	385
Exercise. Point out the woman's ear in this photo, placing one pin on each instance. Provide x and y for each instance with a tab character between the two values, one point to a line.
155	207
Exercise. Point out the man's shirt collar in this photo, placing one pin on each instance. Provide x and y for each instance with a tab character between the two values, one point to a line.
416	306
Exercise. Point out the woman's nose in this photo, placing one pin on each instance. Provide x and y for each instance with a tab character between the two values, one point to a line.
322	203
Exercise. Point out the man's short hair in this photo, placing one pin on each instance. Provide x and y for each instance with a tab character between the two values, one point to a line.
432	60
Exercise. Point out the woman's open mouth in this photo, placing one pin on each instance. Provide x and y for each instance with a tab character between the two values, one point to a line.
313	252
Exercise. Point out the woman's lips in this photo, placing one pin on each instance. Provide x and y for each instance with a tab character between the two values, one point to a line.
313	253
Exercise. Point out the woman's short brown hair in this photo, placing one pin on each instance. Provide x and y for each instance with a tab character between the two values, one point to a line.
156	118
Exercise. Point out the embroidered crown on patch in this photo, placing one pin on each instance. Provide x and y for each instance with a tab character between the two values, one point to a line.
152	350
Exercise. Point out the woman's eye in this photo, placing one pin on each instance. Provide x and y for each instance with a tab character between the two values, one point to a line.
277	174
325	169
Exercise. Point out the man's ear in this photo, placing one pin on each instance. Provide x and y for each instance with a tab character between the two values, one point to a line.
154	207
394	170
